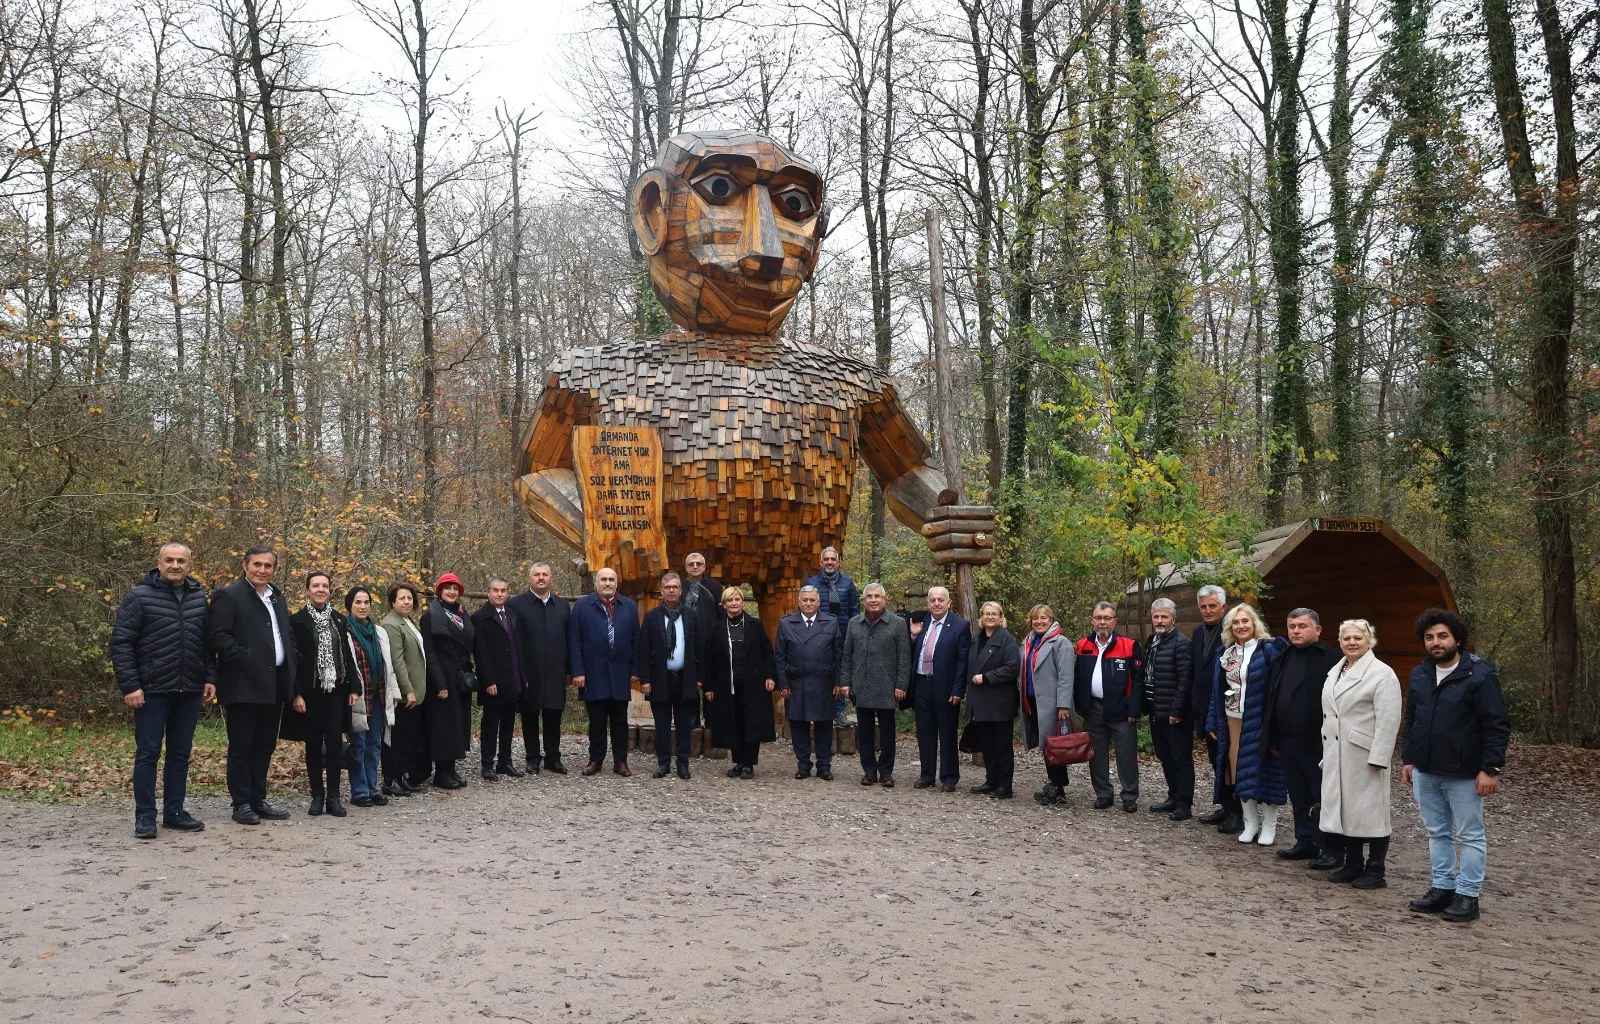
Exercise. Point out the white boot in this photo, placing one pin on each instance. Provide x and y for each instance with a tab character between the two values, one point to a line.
1252	820
1269	825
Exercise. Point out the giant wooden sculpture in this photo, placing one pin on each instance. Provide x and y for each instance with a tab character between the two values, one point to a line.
759	434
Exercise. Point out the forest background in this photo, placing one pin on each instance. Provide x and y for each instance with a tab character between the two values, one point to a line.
290	271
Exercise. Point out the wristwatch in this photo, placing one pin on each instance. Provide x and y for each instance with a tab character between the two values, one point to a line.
1491	771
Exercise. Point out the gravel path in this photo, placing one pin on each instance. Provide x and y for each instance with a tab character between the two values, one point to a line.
714	900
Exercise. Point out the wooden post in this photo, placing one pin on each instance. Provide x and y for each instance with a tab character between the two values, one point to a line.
949	439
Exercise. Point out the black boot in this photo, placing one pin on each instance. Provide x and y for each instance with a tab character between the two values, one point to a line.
1352	867
1434	901
1231	824
335	805
1372	877
1462	909
316	803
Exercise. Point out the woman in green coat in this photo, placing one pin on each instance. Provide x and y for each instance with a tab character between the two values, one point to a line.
411	672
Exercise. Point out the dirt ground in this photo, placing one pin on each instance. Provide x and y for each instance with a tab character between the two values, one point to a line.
715	900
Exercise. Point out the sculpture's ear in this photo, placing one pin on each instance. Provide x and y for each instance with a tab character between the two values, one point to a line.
650	196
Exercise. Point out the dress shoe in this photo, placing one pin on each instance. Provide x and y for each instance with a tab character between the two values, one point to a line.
621	768
361	801
1231	825
886	781
487	774
1303	849
1130	806
1327	860
1213	817
1180	813
379	800
662	771
947	787
592	768
802	773
446	780
555	766
182	821
747	773
981	788
507	768
1371	877
825	776
531	768
922	784
267	812
1000	794
317	804
1434	901
1462	909
869	779
144	826
336	806
1102	802
1166	806
733	773
244	814
390	790
683	771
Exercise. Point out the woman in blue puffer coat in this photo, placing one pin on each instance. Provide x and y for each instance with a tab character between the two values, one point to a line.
1237	720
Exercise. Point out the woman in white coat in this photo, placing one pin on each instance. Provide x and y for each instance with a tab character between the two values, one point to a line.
1361	712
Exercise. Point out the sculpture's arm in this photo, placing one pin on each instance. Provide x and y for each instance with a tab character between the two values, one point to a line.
546	484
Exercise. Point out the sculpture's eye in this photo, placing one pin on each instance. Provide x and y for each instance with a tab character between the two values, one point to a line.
717	186
794	202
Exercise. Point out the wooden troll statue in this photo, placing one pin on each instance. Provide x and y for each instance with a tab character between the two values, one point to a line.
759	434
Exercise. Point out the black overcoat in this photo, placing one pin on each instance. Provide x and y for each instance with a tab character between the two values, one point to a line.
296	725
239	635
653	656
491	654
448	648
998	659
542	646
808	665
737	683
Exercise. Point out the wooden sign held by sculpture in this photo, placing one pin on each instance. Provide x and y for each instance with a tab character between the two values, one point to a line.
619	475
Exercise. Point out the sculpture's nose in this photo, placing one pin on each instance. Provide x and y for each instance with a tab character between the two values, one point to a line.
760	245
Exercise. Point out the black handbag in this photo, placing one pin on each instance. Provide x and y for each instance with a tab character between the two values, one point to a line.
968	744
467	682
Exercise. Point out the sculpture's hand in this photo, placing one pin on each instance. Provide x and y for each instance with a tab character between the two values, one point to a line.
960	534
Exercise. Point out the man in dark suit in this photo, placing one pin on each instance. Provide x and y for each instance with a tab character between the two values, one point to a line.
1294	728
1205	644
541	619
673	643
497	656
939	677
603	656
249	636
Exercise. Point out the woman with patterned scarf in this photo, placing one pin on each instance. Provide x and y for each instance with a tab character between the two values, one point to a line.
326	688
380	690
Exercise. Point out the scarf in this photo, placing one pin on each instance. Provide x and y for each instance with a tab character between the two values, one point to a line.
672	615
322	624
1236	672
831	598
1035	645
369	655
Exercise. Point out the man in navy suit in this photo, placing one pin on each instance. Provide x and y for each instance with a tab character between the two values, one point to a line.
939	677
603	645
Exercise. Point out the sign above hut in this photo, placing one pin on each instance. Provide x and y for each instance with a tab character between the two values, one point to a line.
1341	568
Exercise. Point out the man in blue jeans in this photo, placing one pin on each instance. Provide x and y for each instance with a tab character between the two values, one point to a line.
1453	748
158	652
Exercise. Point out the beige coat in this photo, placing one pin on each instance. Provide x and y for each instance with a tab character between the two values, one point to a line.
1361	713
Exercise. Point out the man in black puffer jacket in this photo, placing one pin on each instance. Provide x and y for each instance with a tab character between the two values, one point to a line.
1168	674
158	652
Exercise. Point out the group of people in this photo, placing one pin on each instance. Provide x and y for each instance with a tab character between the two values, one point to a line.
1283	720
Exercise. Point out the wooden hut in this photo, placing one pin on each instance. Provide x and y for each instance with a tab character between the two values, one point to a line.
1343	568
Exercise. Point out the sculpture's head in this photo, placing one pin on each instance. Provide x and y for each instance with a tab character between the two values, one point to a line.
730	223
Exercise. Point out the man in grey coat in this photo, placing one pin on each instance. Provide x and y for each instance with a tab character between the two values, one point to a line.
875	668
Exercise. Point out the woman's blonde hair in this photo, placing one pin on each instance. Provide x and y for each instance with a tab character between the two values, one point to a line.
728	592
1261	630
996	606
1040	608
1364	626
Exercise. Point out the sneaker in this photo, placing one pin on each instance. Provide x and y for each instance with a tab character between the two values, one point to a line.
1434	901
1462	909
144	826
182	821
1370	878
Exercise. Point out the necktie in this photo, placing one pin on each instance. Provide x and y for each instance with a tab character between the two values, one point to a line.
928	645
611	627
808	623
